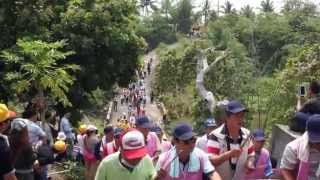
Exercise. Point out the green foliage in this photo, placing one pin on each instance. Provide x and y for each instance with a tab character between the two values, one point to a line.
101	34
267	6
184	12
228	8
36	65
97	97
176	69
247	11
268	55
156	29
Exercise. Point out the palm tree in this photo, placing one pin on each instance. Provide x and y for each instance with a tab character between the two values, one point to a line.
228	8
148	5
166	7
206	11
247	11
267	6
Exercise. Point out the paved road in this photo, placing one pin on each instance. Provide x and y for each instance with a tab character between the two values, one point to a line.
151	109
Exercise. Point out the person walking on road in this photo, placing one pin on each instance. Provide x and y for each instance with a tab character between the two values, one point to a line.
65	126
210	125
231	150
153	146
90	142
7	171
184	160
262	166
165	144
301	157
130	163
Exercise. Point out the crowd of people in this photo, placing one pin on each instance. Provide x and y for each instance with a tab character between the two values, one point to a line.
28	146
137	148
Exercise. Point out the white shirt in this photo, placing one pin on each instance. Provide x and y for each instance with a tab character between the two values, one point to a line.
80	139
132	120
201	143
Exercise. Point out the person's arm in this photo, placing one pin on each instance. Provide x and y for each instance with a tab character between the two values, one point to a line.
6	167
214	176
288	174
305	106
268	169
10	176
101	172
289	162
217	160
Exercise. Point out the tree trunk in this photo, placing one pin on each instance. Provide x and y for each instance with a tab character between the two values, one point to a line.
202	69
40	102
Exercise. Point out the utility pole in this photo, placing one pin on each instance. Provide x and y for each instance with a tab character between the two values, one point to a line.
218	8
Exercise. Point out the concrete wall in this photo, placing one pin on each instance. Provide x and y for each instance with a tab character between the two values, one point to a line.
281	136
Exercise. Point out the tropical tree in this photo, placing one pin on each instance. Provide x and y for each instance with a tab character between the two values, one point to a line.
247	11
206	11
306	8
36	66
228	8
103	35
184	13
166	7
148	5
267	6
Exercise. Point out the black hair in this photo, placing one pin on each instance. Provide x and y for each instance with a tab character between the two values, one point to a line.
29	113
228	114
315	87
47	115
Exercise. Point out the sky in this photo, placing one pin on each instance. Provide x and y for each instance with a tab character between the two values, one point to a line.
240	3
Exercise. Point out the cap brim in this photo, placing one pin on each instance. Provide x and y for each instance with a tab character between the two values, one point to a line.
12	114
259	139
314	138
135	153
146	125
186	136
211	125
239	110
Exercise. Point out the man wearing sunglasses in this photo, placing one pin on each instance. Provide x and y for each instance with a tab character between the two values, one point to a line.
7	171
184	160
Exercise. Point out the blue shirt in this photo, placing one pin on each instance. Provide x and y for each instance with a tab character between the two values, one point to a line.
35	132
268	169
66	127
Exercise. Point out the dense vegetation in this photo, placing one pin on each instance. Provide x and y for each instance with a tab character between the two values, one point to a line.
268	55
74	53
68	51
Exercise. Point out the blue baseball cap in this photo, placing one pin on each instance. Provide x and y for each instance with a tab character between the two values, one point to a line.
157	130
108	129
258	135
301	119
183	131
118	131
313	128
235	107
210	122
143	122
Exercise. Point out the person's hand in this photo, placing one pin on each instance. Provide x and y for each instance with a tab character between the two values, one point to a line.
250	166
161	174
235	153
36	166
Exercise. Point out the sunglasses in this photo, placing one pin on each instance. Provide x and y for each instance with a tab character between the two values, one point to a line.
190	141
